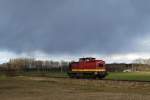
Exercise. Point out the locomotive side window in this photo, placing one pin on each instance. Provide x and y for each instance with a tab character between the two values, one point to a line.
101	65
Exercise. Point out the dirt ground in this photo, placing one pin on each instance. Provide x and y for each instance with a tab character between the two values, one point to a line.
40	88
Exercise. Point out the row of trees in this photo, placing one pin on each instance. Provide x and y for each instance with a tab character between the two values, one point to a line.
142	61
137	65
29	64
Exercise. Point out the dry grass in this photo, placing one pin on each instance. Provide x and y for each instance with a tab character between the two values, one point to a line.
39	88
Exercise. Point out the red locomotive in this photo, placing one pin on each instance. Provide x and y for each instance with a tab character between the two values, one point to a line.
87	67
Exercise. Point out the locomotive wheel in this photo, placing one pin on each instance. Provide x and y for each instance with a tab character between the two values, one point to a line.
71	75
75	75
79	75
102	75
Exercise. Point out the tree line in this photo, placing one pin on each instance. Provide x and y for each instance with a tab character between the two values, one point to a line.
30	64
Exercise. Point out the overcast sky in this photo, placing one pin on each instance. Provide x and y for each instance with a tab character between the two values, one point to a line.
114	30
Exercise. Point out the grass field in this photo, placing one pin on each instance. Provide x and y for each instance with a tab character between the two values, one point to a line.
45	74
44	88
27	87
140	76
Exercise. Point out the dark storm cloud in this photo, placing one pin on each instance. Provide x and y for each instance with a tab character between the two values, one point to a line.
73	26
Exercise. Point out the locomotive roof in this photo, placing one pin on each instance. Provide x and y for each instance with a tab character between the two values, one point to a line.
87	58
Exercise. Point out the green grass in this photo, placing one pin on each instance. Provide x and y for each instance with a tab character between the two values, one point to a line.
141	76
44	74
2	76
